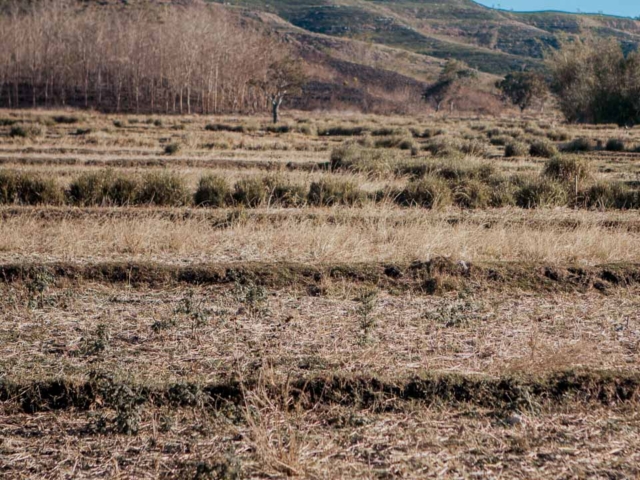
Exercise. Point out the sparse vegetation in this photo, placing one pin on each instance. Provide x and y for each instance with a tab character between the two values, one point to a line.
271	302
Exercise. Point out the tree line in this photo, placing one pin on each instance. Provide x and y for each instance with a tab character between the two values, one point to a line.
191	59
591	81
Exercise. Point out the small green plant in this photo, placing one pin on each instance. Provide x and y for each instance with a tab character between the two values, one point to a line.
194	309
252	297
455	314
97	342
367	301
37	285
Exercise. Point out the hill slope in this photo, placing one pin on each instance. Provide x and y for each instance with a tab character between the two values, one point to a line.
491	40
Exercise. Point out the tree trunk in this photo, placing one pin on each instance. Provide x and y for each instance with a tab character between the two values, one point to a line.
275	109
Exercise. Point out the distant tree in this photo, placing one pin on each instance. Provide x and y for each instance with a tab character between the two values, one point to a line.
283	77
594	82
523	88
453	77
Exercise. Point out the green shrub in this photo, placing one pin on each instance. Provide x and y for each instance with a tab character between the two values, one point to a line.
428	192
307	129
578	145
8	187
284	193
615	145
500	141
163	188
350	156
66	119
475	148
104	188
543	148
341	131
27	131
213	191
558	135
250	192
278	128
516	149
565	169
460	169
606	195
221	127
28	188
172	149
444	147
540	192
472	194
329	192
503	193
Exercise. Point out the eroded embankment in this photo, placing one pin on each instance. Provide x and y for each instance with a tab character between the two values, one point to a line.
509	392
434	276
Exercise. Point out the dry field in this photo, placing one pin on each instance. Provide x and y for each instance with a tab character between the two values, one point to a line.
340	297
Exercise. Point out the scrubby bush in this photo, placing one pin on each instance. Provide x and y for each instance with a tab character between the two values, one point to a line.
564	169
604	195
284	193
213	191
28	188
578	145
543	148
342	131
475	148
172	148
516	149
27	131
221	127
66	119
540	192
615	145
307	129
163	188
558	135
104	188
428	192
332	191
444	147
503	193
250	192
472	194
352	157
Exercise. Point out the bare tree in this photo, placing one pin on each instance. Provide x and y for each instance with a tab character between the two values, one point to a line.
283	77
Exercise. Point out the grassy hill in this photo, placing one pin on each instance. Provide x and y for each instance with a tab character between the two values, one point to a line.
493	41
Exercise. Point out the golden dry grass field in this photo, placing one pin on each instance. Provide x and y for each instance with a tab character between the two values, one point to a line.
340	296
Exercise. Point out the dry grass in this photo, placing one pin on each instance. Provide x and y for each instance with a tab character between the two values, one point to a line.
227	331
296	238
270	346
